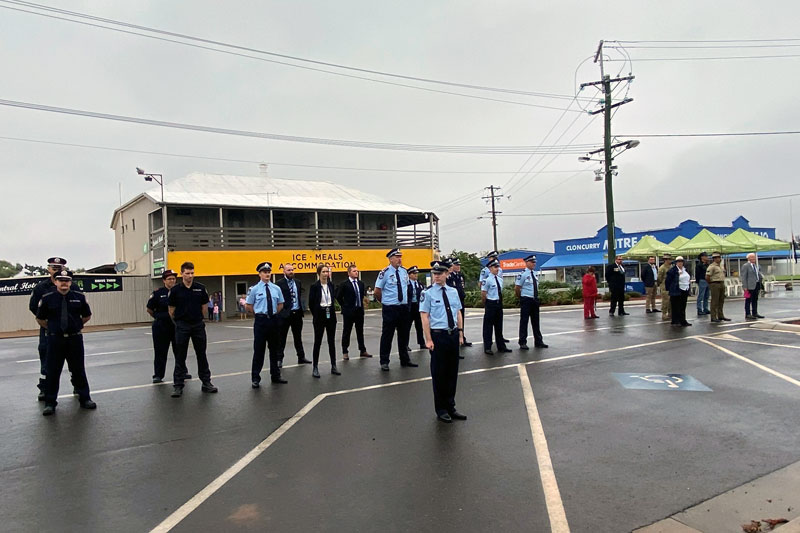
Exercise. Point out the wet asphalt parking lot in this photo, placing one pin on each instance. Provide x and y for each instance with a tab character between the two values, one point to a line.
364	451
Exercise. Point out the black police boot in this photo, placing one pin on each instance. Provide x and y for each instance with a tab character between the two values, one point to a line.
208	387
88	404
49	410
177	391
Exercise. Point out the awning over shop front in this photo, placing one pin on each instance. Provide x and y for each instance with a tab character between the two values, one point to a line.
568	260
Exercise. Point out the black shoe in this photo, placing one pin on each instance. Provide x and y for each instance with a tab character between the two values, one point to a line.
541	345
158	380
88	404
523	347
187	377
503	350
455	415
409	364
177	392
759	316
49	410
444	417
623	313
715	320
506	341
467	344
208	387
686	324
303	361
488	352
335	371
647	311
611	313
256	384
656	310
41	396
278	379
315	372
749	317
725	319
385	367
461	357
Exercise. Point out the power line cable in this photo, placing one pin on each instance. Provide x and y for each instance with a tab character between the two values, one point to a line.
293	138
265	52
270	162
710	41
719	134
708	58
666	208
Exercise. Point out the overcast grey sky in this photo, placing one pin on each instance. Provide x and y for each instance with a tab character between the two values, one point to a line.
59	200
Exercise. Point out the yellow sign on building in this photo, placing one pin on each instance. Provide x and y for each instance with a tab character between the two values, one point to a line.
244	262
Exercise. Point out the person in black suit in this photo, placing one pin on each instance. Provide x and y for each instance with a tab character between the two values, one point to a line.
351	296
615	276
320	303
292	314
414	291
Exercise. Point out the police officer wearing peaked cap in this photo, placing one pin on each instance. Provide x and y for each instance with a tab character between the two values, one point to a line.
265	301
163	328
414	293
455	279
526	288
391	290
54	266
64	312
443	326
492	297
485	273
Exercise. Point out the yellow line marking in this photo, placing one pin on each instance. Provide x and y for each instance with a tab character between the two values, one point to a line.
552	496
751	362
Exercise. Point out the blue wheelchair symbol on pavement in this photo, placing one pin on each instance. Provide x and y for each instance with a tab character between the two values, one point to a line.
675	382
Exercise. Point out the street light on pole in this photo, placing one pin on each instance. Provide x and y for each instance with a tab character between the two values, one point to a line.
158	178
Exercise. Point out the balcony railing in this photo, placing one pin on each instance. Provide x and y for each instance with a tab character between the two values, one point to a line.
195	238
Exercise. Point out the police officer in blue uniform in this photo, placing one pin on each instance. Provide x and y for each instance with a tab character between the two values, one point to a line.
455	279
492	297
391	290
186	301
526	287
63	313
265	301
444	333
54	266
486	273
163	329
414	291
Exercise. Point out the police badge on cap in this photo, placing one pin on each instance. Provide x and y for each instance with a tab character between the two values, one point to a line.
438	267
493	263
413	270
266	265
491	254
456	261
393	252
56	261
167	273
531	257
64	275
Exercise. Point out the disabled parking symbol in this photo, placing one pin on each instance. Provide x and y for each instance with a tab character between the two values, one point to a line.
669	382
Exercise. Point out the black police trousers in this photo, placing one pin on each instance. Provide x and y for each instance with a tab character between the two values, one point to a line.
266	335
69	349
416	320
617	297
350	319
294	322
184	331
163	336
395	317
529	310
43	360
493	320
444	370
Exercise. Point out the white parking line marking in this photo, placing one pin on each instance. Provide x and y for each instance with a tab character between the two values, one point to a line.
552	496
751	362
736	339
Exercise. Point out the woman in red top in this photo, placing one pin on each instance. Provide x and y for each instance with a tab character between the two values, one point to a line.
589	294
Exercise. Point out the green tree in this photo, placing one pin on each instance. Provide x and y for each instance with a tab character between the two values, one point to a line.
34	270
8	269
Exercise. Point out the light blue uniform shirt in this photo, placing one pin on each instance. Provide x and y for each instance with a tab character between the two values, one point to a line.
431	302
491	287
258	297
525	279
485	273
295	296
387	283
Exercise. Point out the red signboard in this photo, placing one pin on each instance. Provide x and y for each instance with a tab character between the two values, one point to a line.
512	264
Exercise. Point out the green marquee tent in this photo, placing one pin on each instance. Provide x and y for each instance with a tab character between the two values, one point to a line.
677	241
647	246
752	242
705	241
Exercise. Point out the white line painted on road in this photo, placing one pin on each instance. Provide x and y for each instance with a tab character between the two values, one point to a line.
133	351
184	510
734	339
751	362
552	496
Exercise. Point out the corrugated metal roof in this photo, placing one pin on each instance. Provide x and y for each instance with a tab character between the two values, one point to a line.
258	191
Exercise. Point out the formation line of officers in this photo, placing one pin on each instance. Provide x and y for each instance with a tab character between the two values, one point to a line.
436	313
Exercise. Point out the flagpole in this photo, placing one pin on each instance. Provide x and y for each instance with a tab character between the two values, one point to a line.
794	245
